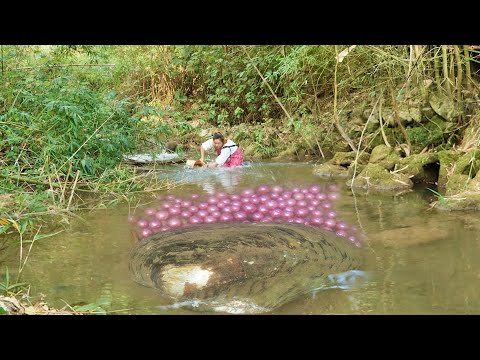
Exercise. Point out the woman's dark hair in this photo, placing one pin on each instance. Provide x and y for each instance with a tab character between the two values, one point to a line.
218	135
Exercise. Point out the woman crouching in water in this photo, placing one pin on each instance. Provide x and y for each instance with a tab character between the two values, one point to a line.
229	154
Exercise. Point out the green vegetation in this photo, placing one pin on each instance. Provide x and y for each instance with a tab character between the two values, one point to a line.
68	114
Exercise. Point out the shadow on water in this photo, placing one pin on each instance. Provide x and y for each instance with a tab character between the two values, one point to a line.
419	260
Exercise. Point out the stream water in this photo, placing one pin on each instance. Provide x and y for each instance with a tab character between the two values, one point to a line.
420	260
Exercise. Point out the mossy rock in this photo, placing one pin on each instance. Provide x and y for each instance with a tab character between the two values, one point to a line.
444	106
466	201
357	170
345	158
447	159
385	156
474	184
437	122
427	112
377	178
418	169
330	170
457	183
340	146
468	164
404	114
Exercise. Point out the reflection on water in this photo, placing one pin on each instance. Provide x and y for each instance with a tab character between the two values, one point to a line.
418	260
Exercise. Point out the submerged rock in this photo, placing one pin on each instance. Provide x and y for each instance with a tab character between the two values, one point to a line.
242	268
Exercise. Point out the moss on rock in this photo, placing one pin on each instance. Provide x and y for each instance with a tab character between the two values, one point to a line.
376	177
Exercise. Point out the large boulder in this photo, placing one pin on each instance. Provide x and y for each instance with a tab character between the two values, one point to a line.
242	268
377	178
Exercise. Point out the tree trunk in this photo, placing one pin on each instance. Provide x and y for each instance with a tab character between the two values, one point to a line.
468	73
445	69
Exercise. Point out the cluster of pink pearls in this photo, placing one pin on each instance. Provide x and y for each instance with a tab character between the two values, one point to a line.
311	205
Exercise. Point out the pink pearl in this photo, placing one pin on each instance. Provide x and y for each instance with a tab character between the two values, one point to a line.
193	209
174	222
277	189
271	204
263	209
321	196
288	214
257	216
276	213
155	224
333	196
142	223
298	196
194	196
341	233
226	217
296	190
310	196
291	202
327	205
146	233
311	208
150	211
315	202
236	203
162	215
282	204
302	203
289	209
240	216
227	209
212	200
235	197
209	220
304	191
331	214
341	226
170	197
186	203
195	220
215	214
202	213
287	195
255	200
298	220
247	192
301	212
174	211
263	198
164	228
167	205
263	189
132	219
249	208
203	205
316	220
178	201
212	208
267	219
185	214
330	223
235	208
274	196
317	213
226	201
222	195
314	189
246	200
